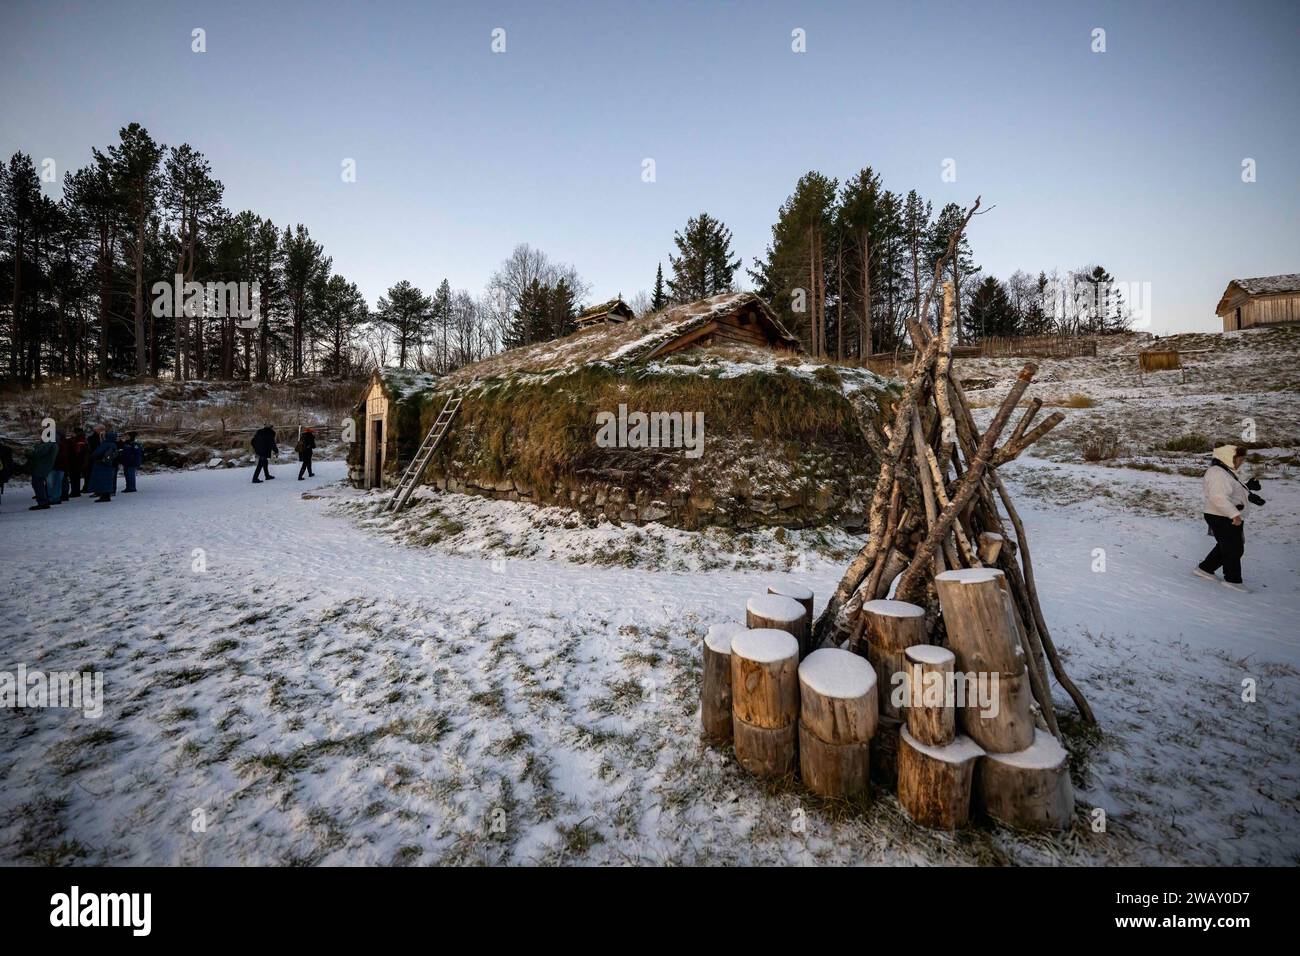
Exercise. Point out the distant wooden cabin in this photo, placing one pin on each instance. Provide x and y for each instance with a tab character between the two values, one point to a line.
615	310
1265	300
387	420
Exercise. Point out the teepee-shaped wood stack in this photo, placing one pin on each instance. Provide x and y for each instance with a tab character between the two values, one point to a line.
942	595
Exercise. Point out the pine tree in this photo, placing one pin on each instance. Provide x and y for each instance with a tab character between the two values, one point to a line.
792	277
440	321
268	254
704	266
862	222
18	203
136	161
1102	302
917	237
192	197
405	310
305	265
91	195
991	312
560	308
529	322
658	298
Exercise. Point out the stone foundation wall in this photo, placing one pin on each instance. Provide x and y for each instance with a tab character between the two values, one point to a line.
822	505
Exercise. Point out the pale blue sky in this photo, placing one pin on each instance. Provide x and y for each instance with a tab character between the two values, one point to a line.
1130	157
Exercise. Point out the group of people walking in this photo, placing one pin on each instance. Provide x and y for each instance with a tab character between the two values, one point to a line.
77	463
265	447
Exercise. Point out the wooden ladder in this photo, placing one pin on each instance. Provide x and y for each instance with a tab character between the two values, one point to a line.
415	470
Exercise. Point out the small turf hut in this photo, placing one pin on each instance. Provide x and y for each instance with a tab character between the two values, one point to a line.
615	310
1264	300
387	418
780	441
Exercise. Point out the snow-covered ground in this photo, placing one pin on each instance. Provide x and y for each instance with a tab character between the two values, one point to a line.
312	688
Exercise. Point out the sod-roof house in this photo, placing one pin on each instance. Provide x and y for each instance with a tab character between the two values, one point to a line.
1263	300
387	419
615	310
702	414
732	318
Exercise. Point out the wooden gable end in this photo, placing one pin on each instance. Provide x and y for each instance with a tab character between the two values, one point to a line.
747	325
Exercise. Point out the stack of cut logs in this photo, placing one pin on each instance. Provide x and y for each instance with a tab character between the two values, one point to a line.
784	707
941	600
843	720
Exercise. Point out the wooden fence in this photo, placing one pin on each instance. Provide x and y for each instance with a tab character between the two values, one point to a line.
1022	346
1038	346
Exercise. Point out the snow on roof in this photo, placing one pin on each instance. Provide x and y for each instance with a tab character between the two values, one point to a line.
615	308
832	672
1261	285
621	343
764	645
404	383
681	319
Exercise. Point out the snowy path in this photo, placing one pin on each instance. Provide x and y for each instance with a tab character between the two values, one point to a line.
321	694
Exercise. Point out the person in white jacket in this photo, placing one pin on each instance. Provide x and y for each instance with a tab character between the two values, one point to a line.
1226	497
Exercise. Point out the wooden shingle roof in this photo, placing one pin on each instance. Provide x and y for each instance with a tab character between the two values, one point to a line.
1260	285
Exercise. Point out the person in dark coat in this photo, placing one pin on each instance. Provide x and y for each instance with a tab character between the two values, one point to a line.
76	457
54	480
264	446
103	472
88	456
65	463
40	461
131	455
306	445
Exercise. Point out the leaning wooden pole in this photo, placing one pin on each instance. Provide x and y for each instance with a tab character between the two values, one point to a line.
926	354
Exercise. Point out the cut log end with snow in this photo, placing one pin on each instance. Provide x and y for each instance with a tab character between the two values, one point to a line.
778	612
1029	789
715	688
838	713
978	618
891	628
893	625
796	592
931	709
934	783
765	678
838	696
